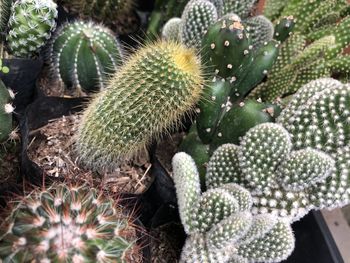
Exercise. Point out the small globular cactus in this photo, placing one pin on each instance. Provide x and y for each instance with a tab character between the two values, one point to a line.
68	224
171	30
220	224
149	94
83	54
6	110
30	26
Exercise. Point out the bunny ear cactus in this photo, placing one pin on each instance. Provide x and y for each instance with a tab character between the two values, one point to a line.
30	26
220	225
68	224
284	28
6	110
261	30
148	95
83	54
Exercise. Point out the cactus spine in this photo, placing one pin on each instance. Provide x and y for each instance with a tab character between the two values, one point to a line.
30	26
144	98
68	224
83	54
6	110
220	224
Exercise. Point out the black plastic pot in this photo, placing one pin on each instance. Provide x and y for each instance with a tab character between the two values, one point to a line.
22	80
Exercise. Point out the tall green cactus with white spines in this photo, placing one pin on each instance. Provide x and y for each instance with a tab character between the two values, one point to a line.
149	94
220	225
196	18
68	224
6	110
82	55
300	163
30	26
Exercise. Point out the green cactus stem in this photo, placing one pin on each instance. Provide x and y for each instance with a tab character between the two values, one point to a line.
30	26
68	224
148	95
82	55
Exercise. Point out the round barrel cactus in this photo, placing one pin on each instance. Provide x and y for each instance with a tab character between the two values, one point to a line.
83	54
30	26
68	224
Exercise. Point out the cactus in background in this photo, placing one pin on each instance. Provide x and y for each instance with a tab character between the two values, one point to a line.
273	8
196	18
300	163
171	30
6	110
261	30
100	10
243	8
284	28
68	224
83	54
30	26
151	92
5	11
220	225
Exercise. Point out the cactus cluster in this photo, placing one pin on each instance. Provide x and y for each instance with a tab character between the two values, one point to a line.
220	224
299	163
101	10
30	26
6	110
315	51
83	54
149	94
68	224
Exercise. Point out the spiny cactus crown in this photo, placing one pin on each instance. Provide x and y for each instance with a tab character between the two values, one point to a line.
83	54
6	110
68	224
148	95
297	164
220	225
30	26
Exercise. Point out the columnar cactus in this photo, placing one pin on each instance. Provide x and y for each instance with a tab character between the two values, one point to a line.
144	98
100	10
300	163
220	225
83	54
68	224
30	26
6	110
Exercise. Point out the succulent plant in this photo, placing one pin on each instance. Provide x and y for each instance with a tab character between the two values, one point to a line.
100	10
5	8
242	8
261	30
6	110
68	224
157	85
30	26
300	163
220	224
171	30
82	55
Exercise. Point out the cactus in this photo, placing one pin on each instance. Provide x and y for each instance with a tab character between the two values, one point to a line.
5	11
6	110
144	98
68	224
242	8
83	54
100	10
171	30
273	8
220	224
196	19
300	163
261	30
284	28
30	26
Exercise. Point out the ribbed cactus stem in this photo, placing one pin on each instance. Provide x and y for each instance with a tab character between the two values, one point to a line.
83	54
30	26
146	97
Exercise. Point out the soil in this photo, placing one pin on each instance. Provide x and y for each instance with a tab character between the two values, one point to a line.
9	162
52	149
